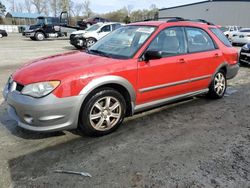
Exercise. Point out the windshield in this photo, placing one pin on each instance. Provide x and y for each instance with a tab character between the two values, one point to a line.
40	21
245	30
124	42
93	27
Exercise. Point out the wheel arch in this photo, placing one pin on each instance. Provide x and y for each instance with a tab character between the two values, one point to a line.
223	66
117	83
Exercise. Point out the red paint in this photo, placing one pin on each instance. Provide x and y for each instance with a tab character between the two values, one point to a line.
75	70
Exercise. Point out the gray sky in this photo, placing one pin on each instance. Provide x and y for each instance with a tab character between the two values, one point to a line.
102	6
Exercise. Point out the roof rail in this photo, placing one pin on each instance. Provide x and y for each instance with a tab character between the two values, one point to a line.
203	21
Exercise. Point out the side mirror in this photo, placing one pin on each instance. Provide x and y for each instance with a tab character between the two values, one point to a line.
150	55
64	18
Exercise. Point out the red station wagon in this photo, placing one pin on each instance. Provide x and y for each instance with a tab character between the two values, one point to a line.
135	68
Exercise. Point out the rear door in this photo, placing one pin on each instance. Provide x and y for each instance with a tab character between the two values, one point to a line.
204	56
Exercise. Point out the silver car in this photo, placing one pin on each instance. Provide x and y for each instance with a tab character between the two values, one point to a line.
241	37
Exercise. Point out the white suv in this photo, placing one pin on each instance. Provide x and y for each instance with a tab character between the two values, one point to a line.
86	38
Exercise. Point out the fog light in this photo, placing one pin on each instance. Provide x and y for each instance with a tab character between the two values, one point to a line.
28	119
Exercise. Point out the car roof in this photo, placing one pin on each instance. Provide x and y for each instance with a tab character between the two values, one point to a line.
176	23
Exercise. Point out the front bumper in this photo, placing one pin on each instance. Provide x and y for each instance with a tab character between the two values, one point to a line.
44	114
78	42
238	40
29	33
245	56
232	70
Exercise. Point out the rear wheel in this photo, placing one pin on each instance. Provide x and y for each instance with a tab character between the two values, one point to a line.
90	41
103	112
218	86
39	36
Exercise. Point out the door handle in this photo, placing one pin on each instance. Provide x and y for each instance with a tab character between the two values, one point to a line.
216	55
182	60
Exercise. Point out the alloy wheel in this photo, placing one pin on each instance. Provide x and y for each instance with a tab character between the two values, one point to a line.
219	83
105	113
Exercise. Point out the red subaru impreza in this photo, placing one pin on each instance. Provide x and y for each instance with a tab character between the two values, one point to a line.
137	67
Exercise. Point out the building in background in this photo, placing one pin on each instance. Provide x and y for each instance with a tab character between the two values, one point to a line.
220	12
19	18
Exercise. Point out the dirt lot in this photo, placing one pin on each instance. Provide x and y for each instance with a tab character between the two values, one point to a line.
195	143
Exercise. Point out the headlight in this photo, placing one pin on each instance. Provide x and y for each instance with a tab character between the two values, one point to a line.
245	47
40	89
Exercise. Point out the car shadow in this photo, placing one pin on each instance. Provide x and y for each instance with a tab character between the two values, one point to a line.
90	153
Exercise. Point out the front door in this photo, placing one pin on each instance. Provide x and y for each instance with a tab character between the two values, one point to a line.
165	77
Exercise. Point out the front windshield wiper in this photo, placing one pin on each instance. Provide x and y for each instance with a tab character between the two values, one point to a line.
98	52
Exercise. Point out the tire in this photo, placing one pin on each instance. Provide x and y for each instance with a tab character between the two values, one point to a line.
32	38
104	119
88	25
218	86
1	36
90	41
39	36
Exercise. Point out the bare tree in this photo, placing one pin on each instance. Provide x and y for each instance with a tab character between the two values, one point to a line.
55	6
28	5
19	7
40	5
12	5
86	8
77	9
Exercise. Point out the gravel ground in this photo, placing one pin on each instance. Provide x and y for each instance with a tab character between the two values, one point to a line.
193	143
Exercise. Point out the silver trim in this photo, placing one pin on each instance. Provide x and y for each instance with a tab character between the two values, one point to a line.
95	83
244	61
247	54
174	83
152	104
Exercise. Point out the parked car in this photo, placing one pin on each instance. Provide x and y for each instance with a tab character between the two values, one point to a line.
3	33
244	58
83	24
86	38
241	37
229	31
135	68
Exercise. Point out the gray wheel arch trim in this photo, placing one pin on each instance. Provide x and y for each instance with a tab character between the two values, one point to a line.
104	80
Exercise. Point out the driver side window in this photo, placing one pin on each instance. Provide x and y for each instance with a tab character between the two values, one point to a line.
169	42
106	28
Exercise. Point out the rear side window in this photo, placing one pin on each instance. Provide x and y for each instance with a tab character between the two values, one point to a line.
221	37
199	40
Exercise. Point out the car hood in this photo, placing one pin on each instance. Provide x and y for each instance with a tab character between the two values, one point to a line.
60	67
32	27
78	32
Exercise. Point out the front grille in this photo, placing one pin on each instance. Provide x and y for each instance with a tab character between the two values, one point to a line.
72	36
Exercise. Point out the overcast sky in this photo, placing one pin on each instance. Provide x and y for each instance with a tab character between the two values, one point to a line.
103	6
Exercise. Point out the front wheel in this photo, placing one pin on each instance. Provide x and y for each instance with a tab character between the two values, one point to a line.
103	112
90	41
218	86
39	36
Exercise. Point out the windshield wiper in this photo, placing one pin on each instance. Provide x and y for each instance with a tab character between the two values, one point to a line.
100	53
